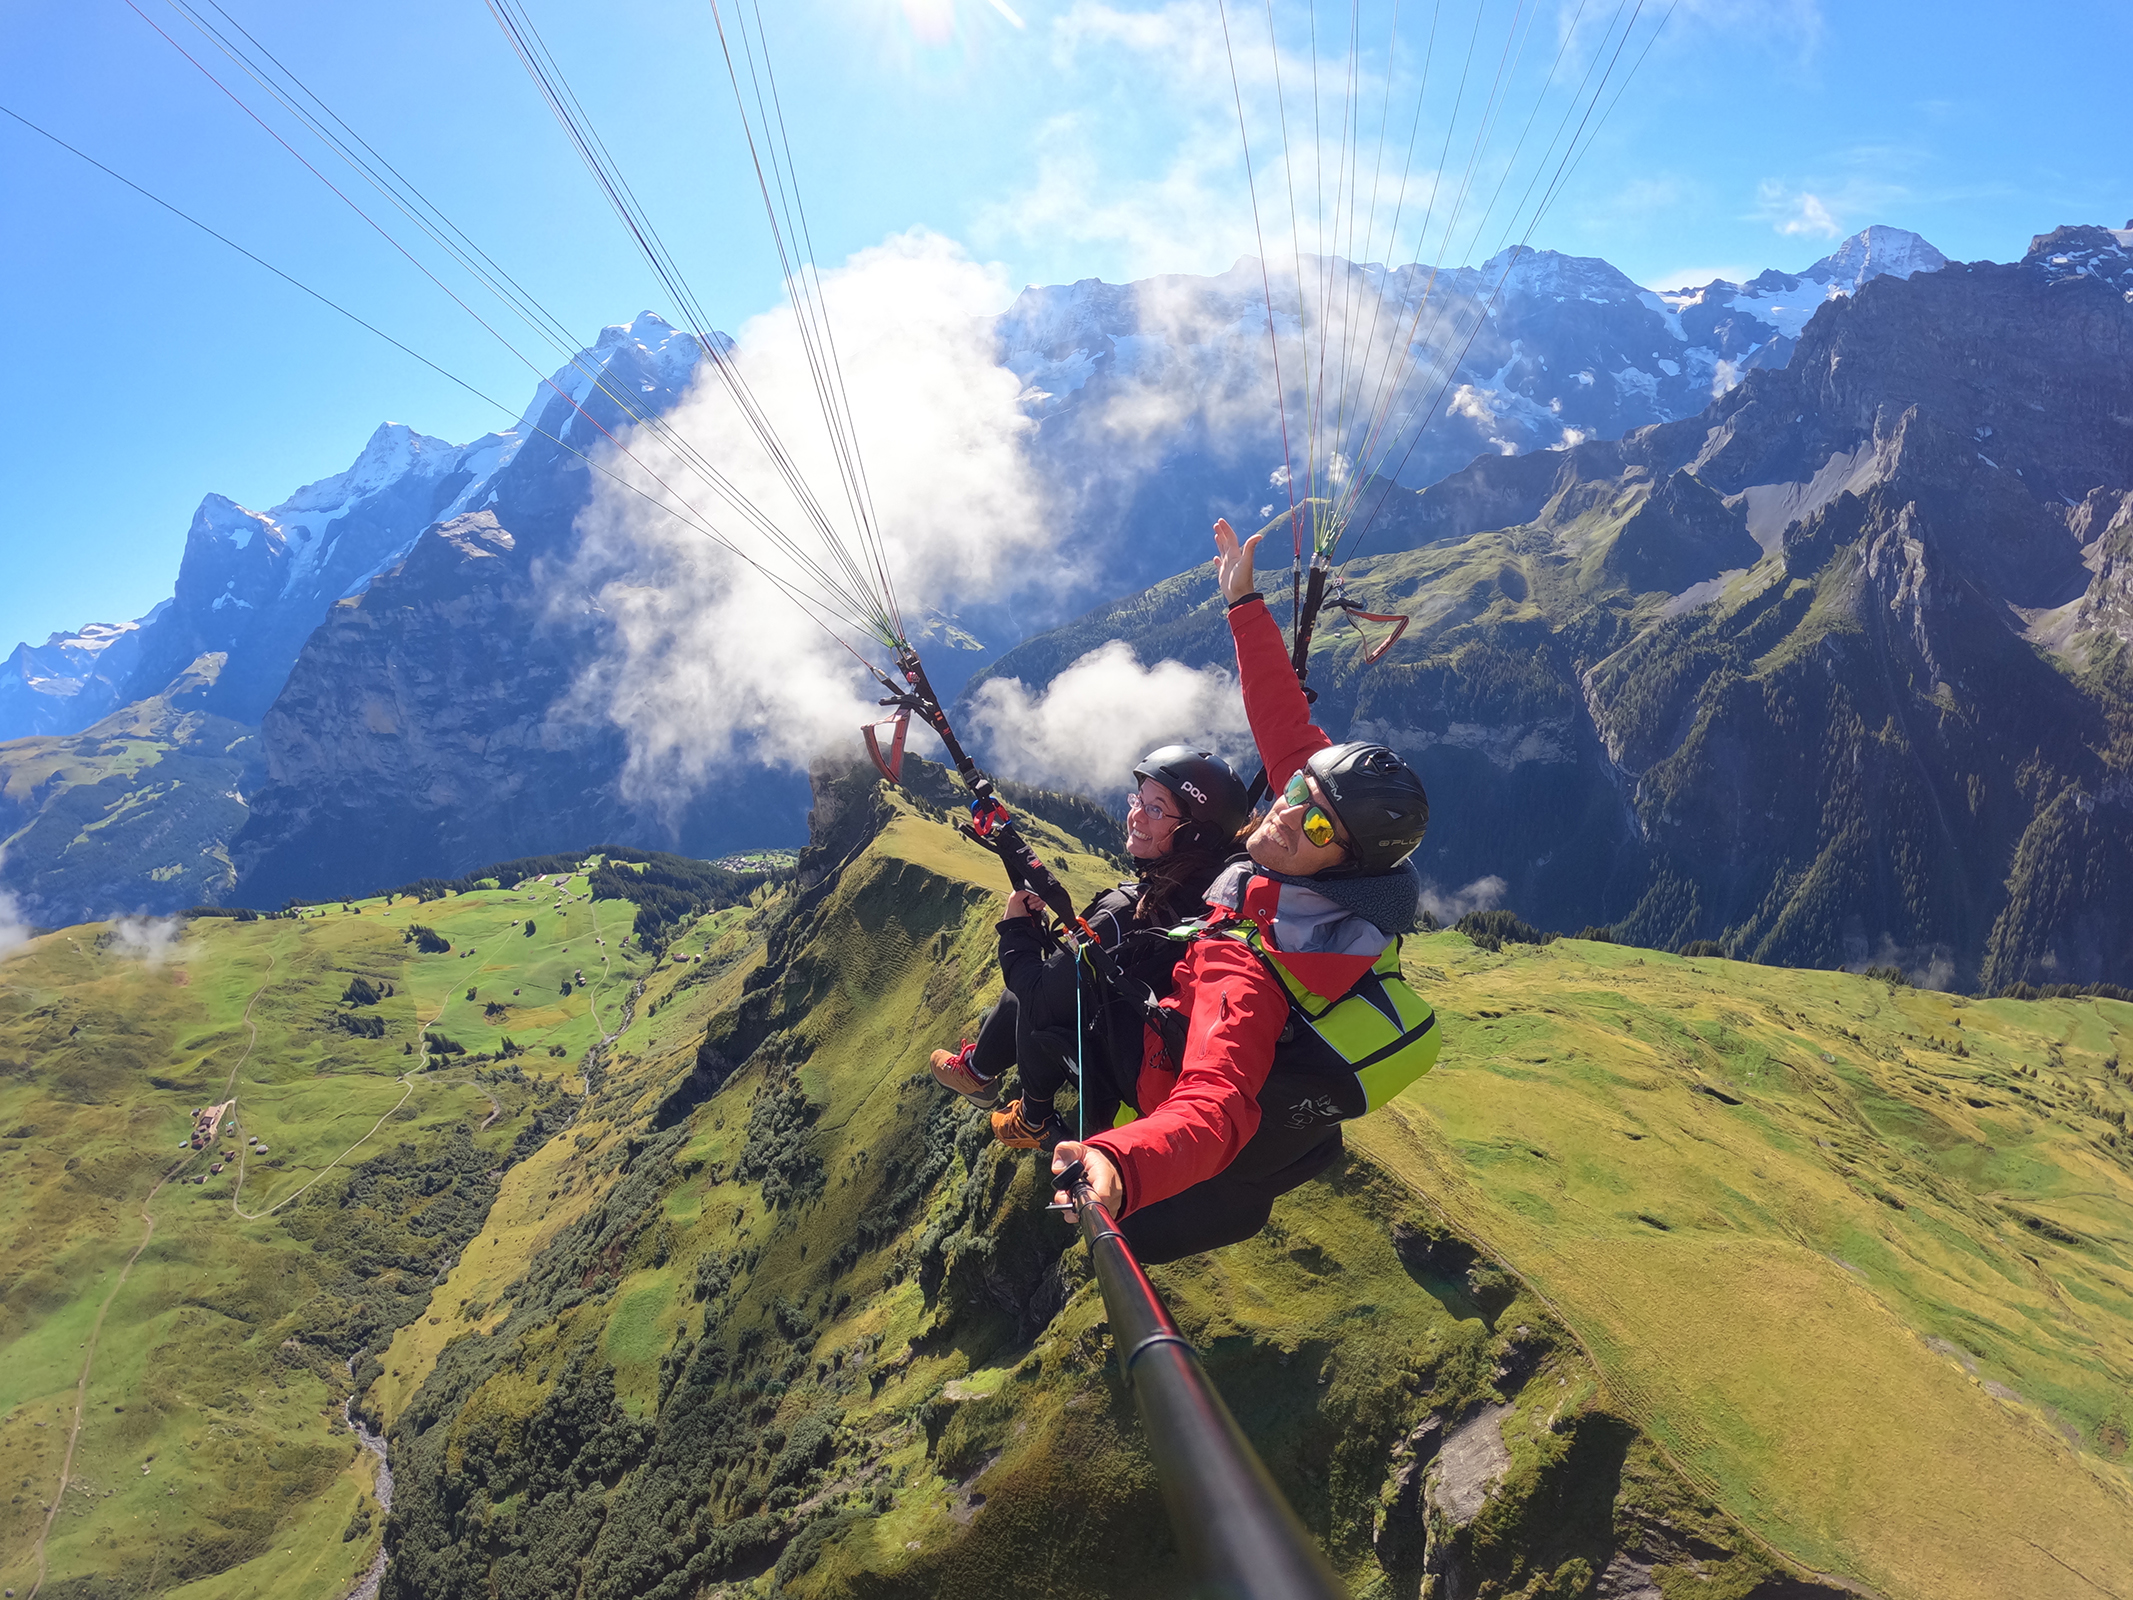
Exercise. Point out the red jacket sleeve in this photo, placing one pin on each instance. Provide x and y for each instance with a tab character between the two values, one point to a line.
1238	1008
1274	701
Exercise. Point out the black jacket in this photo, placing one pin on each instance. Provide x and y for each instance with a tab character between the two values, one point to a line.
1145	956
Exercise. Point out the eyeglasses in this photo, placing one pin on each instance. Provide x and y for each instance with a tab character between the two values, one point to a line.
1153	809
1317	821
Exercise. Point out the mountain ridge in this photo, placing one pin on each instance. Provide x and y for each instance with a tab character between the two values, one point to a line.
1812	674
328	539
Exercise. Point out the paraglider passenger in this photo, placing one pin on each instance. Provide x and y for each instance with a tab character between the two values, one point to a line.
1183	819
1236	1103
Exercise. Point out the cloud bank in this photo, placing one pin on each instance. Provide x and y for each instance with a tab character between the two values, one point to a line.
705	662
1105	712
14	929
145	939
1449	905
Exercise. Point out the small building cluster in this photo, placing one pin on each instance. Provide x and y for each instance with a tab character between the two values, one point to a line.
207	1122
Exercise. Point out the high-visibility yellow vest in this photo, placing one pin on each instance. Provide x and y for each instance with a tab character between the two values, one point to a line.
1366	1043
1379	1030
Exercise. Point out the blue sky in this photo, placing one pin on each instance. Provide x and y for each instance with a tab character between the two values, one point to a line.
1062	139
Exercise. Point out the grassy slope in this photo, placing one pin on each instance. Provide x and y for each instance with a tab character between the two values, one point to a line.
146	797
1689	1244
102	1057
1873	1295
1685	1240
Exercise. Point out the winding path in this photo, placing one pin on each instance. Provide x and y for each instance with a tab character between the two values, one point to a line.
81	1385
96	1328
367	1587
407	1085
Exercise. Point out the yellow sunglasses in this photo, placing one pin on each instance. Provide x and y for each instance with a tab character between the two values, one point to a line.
1317	822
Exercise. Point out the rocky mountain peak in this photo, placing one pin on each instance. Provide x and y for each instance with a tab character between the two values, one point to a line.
393	452
2078	251
1876	252
669	350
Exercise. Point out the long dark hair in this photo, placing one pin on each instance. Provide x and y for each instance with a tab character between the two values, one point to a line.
1171	886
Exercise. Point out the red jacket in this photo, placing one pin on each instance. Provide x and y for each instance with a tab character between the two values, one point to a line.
1198	1113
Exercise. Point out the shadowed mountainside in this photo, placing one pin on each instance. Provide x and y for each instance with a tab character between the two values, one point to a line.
1835	673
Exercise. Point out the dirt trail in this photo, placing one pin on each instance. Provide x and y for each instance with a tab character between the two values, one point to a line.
81	1386
96	1328
407	1083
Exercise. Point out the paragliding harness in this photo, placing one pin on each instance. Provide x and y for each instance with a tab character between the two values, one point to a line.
1341	1054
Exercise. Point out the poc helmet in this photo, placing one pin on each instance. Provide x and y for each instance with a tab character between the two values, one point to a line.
1214	797
1378	799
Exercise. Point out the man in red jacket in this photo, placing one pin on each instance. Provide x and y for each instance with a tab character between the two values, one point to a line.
1232	1118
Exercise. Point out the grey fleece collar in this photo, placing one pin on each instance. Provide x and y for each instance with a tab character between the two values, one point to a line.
1388	899
1330	914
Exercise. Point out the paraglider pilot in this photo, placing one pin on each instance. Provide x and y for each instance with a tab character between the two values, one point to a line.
1240	1103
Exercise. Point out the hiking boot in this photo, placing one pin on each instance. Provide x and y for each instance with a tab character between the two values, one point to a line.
1011	1128
952	1070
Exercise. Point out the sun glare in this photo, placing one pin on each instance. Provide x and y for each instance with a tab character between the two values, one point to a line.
932	21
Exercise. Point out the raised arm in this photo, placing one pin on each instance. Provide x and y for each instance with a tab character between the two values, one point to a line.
1274	701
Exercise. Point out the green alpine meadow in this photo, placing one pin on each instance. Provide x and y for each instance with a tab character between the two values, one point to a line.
639	1236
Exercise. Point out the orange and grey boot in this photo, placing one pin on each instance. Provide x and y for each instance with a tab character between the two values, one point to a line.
952	1069
1016	1129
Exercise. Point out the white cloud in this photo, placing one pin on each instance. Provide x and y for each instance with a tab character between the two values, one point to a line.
1483	894
145	939
14	930
1810	217
1801	213
1104	713
1193	214
706	663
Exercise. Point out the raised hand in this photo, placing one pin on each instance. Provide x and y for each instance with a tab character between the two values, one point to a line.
1233	561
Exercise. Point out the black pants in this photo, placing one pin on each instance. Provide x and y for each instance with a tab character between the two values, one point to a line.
1235	1203
1034	1031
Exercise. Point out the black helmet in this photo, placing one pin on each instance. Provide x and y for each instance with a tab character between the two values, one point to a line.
1378	799
1212	792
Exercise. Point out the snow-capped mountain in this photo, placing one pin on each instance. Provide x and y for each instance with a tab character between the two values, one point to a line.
255	583
71	679
1533	351
1756	324
2102	253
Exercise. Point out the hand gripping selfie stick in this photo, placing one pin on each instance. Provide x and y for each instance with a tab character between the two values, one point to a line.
1238	1534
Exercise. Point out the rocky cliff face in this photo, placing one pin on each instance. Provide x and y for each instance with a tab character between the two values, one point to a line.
427	726
252	585
1834	672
